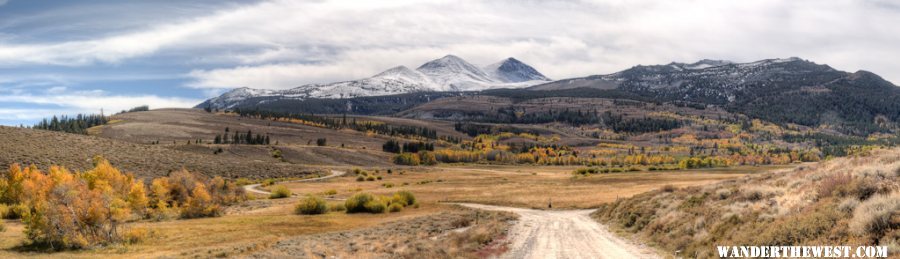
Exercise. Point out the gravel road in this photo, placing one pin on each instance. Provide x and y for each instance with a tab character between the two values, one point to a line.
254	188
564	234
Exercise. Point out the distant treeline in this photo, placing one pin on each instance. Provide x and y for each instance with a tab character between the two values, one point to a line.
833	145
77	124
343	122
241	138
616	122
394	146
473	129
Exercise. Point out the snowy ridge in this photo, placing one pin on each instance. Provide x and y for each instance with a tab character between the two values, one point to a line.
449	73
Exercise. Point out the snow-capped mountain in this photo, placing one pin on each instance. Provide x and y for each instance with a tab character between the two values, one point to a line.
452	73
512	70
449	73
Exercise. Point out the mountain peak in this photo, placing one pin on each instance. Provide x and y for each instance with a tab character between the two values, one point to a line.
455	74
512	70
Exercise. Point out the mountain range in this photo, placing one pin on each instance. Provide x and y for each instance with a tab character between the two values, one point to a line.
447	74
785	90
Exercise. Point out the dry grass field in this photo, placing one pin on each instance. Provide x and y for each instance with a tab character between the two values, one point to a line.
848	201
521	186
269	228
46	148
174	128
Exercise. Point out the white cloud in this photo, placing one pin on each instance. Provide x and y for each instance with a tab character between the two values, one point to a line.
283	43
82	102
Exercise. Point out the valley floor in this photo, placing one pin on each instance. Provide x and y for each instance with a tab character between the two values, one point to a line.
268	228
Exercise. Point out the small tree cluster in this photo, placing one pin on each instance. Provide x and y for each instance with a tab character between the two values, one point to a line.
394	146
76	210
241	138
77	124
413	159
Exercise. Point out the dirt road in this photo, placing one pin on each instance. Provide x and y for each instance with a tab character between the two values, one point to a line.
564	234
254	188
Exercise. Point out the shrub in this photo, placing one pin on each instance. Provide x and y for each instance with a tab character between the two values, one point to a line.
832	183
330	192
404	197
407	159
848	204
360	178
12	211
873	217
242	181
136	235
370	178
311	205
395	207
375	206
357	202
280	191
71	210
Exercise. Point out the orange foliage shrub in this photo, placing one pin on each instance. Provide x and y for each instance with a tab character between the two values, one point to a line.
76	210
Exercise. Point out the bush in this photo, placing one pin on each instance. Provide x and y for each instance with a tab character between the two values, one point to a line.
395	207
279	192
404	197
873	217
12	211
75	210
357	203
330	192
370	178
360	178
375	206
311	205
136	235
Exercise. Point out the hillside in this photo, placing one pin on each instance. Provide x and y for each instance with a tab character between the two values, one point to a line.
847	201
175	128
783	91
46	148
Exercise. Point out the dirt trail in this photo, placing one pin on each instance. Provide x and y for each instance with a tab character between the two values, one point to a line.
254	188
564	234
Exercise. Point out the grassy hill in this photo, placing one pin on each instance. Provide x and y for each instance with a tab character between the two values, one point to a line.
847	201
46	148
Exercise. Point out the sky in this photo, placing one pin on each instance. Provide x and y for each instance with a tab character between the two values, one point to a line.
81	56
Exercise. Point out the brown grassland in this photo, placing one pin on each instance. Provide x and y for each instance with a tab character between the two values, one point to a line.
846	201
270	228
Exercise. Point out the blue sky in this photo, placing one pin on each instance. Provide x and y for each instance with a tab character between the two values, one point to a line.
65	57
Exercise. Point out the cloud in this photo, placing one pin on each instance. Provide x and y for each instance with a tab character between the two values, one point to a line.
87	102
281	43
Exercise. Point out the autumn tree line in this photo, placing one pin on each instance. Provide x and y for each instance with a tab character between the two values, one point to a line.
64	209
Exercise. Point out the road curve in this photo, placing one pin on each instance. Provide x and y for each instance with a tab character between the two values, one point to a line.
254	188
563	234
